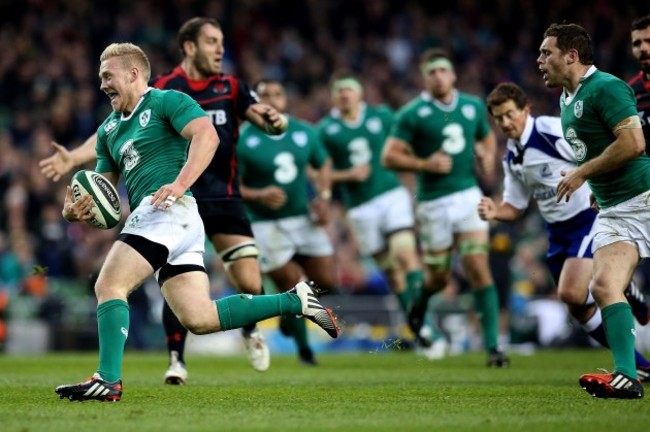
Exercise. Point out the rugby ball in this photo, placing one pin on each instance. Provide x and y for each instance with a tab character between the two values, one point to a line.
107	210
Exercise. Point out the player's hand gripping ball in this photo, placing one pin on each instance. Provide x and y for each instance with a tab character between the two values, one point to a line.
107	210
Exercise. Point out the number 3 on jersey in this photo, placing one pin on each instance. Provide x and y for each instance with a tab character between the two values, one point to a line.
454	142
286	170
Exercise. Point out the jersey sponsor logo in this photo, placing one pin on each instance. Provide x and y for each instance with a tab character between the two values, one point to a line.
217	117
130	156
424	111
544	193
110	126
577	109
145	117
579	147
253	142
299	138
545	171
469	111
374	125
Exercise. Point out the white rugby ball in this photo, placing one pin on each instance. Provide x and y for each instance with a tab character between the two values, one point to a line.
107	210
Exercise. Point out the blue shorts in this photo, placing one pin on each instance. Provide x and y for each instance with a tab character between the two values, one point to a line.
570	239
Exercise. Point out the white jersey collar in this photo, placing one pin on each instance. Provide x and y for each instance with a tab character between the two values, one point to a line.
123	118
336	113
426	96
569	97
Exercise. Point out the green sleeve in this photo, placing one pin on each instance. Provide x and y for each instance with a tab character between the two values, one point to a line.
318	154
403	127
387	116
483	129
617	102
180	109
105	162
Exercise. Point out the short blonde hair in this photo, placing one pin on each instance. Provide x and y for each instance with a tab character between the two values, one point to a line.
132	56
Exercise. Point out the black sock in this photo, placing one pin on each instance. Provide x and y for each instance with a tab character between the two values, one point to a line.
175	333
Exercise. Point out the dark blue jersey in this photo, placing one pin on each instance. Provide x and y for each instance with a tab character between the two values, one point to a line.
225	99
641	87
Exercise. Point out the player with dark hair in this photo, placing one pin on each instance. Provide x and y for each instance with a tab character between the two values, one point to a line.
159	142
601	123
226	100
439	135
640	83
537	154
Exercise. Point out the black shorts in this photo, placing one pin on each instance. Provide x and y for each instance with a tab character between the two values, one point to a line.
225	217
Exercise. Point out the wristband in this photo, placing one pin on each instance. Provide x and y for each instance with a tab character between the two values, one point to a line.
325	194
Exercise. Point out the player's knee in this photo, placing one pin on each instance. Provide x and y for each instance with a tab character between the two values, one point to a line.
196	324
571	297
402	249
240	261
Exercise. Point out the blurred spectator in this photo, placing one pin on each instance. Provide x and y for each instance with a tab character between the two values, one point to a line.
49	89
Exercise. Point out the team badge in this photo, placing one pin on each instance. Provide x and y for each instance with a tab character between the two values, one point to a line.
374	125
221	88
546	171
145	117
253	142
300	138
469	111
577	109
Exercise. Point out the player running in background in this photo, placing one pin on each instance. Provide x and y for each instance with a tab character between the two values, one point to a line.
601	123
226	99
640	83
289	234
536	156
438	135
160	142
379	208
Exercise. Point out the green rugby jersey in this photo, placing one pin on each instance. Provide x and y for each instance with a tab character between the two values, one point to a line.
146	147
360	143
601	102
428	125
279	160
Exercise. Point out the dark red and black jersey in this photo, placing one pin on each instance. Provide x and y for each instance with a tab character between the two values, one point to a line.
641	87
226	99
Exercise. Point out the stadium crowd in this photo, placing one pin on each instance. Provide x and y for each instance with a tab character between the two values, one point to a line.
49	92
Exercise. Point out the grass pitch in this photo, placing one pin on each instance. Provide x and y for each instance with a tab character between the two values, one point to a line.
396	391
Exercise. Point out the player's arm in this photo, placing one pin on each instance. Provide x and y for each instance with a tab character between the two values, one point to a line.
63	160
357	173
321	177
488	210
398	155
267	118
204	141
485	150
628	145
272	197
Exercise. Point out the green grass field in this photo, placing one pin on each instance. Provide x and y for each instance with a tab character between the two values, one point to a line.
396	391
